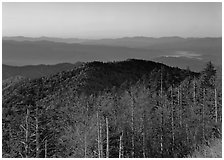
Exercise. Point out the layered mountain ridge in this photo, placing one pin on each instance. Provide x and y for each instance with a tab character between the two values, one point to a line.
49	50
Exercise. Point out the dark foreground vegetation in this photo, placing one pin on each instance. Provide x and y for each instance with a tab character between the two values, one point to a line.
133	108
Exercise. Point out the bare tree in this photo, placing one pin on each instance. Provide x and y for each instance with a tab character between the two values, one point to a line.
161	123
172	120
37	134
186	129
194	91
45	149
216	107
132	123
143	135
161	135
180	104
132	128
203	115
121	145
99	136
107	125
27	133
85	145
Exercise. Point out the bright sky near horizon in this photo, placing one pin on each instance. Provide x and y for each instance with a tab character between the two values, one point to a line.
112	20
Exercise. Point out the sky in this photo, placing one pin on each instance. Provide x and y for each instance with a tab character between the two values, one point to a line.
111	20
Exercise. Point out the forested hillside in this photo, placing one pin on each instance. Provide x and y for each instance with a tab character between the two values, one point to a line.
11	81
132	108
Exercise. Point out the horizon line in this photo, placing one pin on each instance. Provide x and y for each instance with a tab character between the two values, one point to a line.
137	36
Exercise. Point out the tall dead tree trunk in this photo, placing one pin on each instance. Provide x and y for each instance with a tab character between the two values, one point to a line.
180	105
101	137
161	124
27	133
107	125
203	116
132	128
121	145
161	136
172	120
98	133
143	136
85	146
132	124
216	107
194	139
194	92
186	129
45	149
37	134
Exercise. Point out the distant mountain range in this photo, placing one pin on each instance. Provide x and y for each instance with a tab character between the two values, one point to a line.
35	71
169	43
48	52
53	39
174	51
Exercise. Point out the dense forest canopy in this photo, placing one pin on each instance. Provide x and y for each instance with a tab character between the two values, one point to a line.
132	108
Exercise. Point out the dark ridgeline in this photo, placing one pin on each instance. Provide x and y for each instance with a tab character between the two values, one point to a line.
35	71
132	108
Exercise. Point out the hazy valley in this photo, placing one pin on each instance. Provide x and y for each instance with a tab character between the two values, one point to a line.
19	50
